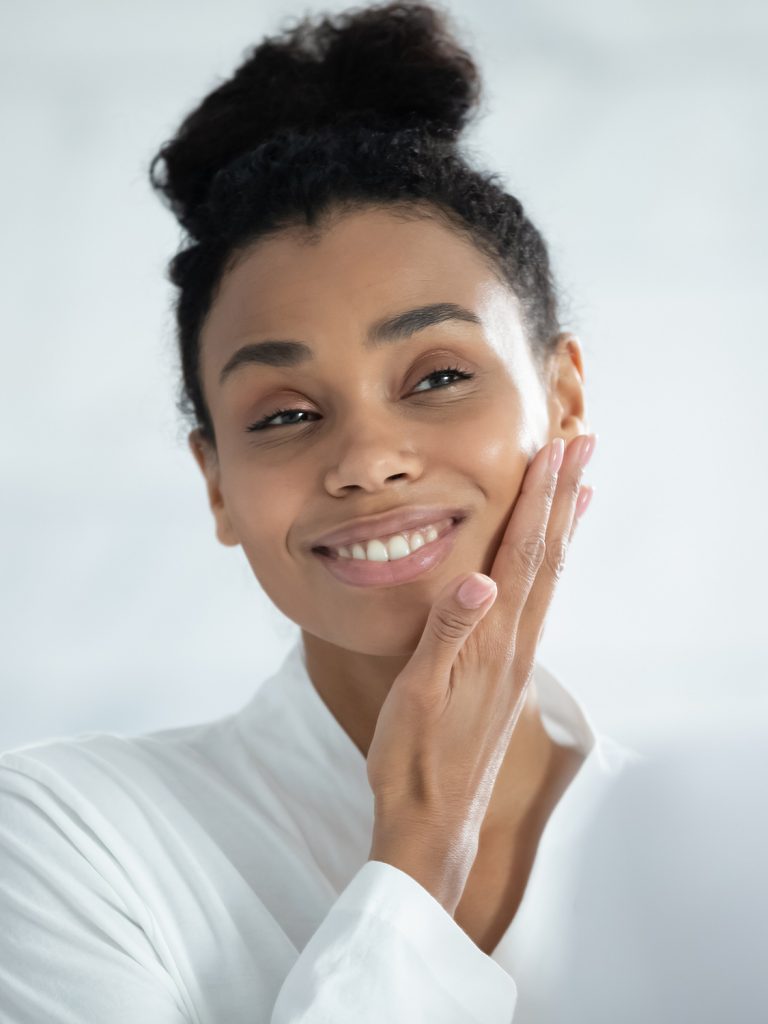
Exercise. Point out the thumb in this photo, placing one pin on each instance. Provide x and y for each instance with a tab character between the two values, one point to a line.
455	613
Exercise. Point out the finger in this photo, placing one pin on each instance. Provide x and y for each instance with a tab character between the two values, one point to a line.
582	503
522	548
459	606
559	526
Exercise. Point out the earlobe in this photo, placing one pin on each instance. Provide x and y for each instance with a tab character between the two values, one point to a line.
224	532
209	466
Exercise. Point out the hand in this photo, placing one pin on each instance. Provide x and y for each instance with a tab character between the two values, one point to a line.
445	726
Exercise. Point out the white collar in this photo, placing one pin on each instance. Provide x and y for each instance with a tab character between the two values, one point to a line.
290	695
563	717
322	776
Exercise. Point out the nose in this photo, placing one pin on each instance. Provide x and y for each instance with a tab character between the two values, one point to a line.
369	460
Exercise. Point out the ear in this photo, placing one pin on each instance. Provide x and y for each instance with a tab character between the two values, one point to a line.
207	459
565	389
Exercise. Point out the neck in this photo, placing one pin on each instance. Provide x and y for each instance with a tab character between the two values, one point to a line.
354	686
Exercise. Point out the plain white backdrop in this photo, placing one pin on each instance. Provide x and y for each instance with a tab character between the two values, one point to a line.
633	132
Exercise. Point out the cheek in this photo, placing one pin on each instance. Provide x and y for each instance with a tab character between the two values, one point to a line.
495	459
493	451
263	510
266	543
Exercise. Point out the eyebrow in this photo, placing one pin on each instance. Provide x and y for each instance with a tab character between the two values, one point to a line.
289	352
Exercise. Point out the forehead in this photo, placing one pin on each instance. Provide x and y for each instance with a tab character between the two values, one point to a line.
362	265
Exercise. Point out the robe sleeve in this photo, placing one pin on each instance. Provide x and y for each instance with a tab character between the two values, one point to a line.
388	951
76	946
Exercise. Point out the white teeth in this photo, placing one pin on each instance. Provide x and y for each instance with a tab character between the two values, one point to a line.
376	551
398	546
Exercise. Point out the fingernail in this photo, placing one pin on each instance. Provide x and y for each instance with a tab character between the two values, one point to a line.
474	590
583	500
556	454
587	448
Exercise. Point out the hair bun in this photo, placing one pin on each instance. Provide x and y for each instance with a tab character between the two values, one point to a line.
395	64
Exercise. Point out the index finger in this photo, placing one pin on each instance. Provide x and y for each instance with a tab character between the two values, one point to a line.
523	546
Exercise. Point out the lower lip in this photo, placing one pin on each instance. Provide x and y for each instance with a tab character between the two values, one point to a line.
361	573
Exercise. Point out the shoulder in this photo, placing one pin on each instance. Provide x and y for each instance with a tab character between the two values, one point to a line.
68	801
87	763
66	768
102	779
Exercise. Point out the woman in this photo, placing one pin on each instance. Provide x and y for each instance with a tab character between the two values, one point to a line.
391	422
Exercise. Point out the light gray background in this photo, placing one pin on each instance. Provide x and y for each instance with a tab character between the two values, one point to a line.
634	133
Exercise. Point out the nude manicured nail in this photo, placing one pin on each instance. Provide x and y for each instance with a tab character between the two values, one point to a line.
583	500
587	448
556	454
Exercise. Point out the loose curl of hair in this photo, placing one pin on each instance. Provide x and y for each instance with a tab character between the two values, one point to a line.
337	114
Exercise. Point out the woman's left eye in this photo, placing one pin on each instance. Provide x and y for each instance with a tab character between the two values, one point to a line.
461	374
265	424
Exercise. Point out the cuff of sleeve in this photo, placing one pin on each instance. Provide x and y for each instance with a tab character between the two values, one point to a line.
473	979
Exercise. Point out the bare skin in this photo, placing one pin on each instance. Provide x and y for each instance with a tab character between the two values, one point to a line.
500	872
369	442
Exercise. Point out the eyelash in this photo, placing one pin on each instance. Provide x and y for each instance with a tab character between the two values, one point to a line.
262	423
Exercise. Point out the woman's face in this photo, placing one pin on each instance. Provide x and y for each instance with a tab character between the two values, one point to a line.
374	434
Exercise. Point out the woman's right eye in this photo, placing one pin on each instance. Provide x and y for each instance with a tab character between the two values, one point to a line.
265	423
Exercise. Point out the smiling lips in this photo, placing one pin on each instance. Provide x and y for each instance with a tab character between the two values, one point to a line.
393	547
381	527
386	571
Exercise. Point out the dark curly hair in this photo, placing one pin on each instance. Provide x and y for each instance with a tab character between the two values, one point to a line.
341	113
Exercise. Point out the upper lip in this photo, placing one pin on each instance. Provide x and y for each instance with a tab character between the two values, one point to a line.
394	521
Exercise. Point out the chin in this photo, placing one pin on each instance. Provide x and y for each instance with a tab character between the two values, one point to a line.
380	646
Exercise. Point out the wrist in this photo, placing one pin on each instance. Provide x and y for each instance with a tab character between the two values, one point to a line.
440	862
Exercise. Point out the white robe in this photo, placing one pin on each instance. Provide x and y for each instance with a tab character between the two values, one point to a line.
218	874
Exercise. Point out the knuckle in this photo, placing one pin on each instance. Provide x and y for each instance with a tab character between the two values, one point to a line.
531	553
555	558
448	626
550	487
422	697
